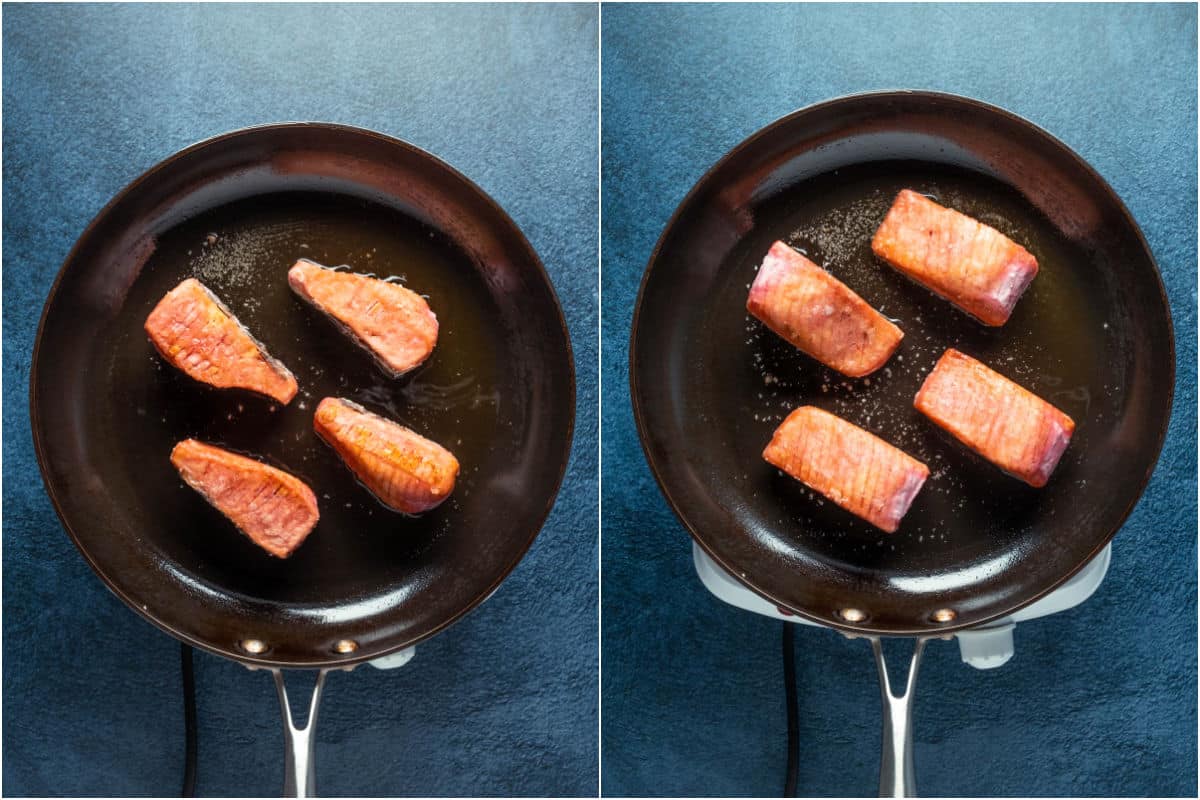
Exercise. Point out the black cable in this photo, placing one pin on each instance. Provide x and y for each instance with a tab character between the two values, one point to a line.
189	721
793	711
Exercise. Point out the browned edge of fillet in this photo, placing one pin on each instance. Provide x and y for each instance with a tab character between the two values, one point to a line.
401	499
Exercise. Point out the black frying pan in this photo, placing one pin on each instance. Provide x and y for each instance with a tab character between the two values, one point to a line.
1092	335
236	211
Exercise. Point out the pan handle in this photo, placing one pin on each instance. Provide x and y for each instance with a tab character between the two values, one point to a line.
300	777
896	775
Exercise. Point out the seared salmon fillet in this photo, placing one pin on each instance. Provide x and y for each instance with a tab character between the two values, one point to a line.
196	333
391	322
852	467
406	471
820	315
1005	423
977	268
276	510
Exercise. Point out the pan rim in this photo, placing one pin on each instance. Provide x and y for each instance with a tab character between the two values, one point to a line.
642	424
334	660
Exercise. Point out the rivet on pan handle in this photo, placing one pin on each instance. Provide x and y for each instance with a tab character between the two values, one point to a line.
897	778
299	778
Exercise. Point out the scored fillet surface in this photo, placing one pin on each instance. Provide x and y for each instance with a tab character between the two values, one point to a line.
197	334
403	469
274	509
852	467
819	314
1001	420
393	323
970	264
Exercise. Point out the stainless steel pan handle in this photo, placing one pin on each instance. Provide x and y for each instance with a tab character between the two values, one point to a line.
896	775
299	778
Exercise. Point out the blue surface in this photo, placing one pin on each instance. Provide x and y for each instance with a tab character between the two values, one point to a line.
503	703
1098	702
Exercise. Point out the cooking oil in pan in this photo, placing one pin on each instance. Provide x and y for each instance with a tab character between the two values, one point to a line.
242	252
1054	345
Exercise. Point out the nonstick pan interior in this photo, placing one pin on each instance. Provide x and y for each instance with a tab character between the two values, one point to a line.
236	213
710	383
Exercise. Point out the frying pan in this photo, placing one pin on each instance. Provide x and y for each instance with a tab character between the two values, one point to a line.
236	211
709	384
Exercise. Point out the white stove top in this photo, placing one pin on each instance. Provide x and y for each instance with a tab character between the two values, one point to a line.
985	647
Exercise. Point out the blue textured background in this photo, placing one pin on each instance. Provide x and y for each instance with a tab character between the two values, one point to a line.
503	703
1098	702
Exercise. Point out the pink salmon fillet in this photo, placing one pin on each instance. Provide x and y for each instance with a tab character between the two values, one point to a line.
394	324
820	315
406	471
275	510
1005	423
852	467
196	333
976	267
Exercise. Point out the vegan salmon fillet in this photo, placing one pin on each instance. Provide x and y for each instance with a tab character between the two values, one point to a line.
274	509
391	322
854	468
977	268
406	471
820	315
196	333
1005	423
